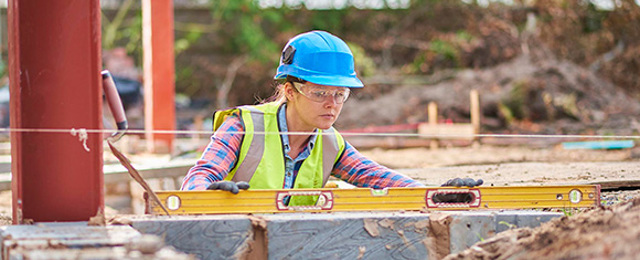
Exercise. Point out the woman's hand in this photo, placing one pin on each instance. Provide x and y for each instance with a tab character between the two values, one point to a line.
230	186
457	182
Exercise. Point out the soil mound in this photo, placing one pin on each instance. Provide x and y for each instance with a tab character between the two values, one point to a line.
532	93
602	233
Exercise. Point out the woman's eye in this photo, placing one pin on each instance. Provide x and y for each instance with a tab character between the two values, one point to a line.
320	93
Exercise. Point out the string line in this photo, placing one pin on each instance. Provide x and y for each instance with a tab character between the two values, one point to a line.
73	131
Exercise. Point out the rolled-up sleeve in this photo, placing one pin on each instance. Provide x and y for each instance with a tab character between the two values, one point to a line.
355	168
219	157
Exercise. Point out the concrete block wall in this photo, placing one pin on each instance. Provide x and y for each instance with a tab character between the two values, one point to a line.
206	237
344	235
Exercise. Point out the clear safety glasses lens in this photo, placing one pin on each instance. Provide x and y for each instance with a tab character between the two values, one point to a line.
321	95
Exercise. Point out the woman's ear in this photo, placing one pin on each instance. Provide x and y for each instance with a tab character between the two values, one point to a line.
288	90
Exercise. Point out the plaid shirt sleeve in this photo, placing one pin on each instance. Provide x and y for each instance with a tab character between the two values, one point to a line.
219	157
355	168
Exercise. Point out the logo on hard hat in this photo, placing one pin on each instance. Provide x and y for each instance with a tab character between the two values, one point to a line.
287	55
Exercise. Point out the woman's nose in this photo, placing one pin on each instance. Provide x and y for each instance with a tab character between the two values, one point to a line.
331	100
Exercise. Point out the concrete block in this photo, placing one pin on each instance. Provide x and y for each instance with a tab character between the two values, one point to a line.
534	219
348	236
206	237
66	234
69	240
467	228
506	221
99	253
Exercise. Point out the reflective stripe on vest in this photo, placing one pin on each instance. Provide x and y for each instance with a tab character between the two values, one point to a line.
329	145
246	169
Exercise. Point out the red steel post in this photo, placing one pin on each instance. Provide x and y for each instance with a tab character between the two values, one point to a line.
159	74
54	73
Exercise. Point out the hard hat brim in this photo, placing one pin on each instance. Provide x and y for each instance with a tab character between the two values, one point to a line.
337	81
328	80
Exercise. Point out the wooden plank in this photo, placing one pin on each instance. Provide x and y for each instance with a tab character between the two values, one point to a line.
475	110
383	129
432	113
446	131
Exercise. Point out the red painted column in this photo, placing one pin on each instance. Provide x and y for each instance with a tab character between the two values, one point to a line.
55	83
159	73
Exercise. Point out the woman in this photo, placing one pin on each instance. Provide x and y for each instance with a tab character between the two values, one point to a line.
290	142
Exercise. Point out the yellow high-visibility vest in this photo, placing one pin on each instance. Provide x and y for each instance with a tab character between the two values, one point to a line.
261	158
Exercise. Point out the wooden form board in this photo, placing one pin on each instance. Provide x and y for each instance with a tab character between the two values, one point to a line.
446	131
435	131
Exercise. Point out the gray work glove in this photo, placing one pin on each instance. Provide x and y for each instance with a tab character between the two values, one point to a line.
468	182
230	186
457	197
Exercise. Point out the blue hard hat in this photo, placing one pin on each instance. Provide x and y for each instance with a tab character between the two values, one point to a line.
319	57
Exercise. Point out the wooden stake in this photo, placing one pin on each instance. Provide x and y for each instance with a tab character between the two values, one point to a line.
432	111
475	112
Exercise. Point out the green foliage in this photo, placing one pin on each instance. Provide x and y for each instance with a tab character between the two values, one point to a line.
3	68
329	20
479	236
429	36
506	113
253	40
126	30
191	36
444	49
515	102
593	19
365	66
443	52
243	27
111	28
464	36
568	104
123	30
185	75
567	213
131	34
509	225
419	64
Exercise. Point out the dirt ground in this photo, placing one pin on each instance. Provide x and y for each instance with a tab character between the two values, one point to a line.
608	232
601	233
514	165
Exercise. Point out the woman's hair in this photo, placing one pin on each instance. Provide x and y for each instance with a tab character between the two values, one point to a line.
279	95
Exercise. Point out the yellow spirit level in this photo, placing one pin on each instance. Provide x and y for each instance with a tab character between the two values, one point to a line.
388	199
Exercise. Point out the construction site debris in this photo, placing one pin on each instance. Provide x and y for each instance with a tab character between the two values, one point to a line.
601	233
77	240
528	94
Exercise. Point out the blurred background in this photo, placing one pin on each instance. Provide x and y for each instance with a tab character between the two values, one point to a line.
553	67
540	66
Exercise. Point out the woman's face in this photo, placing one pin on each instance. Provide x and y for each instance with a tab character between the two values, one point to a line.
314	106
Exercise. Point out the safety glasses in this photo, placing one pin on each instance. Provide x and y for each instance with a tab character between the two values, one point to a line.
319	94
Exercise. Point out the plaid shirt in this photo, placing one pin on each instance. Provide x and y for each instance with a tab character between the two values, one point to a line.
221	156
